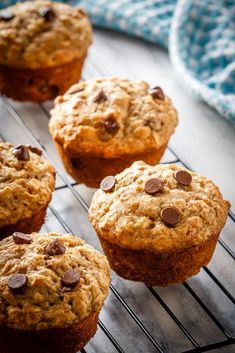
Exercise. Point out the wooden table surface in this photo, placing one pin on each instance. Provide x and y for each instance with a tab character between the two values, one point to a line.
135	318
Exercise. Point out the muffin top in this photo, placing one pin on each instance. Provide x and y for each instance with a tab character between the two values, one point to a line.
161	208
26	182
112	117
50	280
42	34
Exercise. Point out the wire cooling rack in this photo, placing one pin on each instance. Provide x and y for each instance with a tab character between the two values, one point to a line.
196	316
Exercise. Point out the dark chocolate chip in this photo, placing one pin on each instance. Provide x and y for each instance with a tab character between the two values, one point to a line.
6	15
108	183
47	13
33	149
17	283
21	238
153	186
106	129
55	248
157	93
183	177
21	153
111	125
71	278
170	216
101	97
76	90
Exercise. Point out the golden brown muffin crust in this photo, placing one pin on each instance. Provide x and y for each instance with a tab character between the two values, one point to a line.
25	186
29	40
130	217
44	304
111	118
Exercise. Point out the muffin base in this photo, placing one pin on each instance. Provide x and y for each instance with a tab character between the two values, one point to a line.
28	225
159	269
92	170
67	340
39	85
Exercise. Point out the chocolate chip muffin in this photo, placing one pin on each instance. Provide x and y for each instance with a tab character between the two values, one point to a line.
52	288
26	185
158	225
43	46
101	126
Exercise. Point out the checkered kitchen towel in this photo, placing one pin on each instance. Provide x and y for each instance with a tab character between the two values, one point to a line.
200	36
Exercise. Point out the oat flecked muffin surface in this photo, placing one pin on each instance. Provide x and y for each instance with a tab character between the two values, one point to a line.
43	45
158	224
26	184
55	301
102	125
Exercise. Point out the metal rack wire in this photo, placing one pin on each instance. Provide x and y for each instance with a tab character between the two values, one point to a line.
70	187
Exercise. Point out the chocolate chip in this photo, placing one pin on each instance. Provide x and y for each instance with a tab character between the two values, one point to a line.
106	129
6	15
157	93
33	149
101	97
183	177
70	278
21	153
17	283
76	90
153	186
108	183
170	216
111	125
55	248
21	238
47	13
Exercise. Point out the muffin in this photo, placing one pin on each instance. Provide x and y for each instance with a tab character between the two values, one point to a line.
101	126
43	46
26	185
158	225
52	288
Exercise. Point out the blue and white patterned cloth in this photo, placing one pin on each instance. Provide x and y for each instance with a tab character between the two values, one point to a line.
199	34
